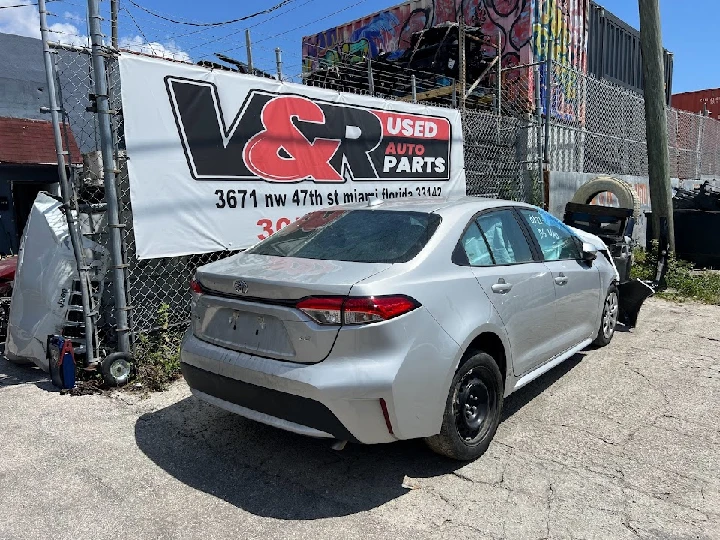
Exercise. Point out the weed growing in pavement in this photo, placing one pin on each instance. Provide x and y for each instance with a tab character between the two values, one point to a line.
157	357
684	282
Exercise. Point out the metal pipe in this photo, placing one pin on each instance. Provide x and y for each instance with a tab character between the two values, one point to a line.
548	99
538	129
371	81
414	88
278	62
248	48
111	195
461	59
454	94
499	76
114	22
65	190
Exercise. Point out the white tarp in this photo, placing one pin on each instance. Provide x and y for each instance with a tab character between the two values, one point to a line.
43	281
219	160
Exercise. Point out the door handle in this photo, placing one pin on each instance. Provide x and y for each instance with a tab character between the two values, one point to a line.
561	279
501	287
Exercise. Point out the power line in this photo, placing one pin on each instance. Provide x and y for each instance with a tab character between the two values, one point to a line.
354	4
231	34
220	23
19	5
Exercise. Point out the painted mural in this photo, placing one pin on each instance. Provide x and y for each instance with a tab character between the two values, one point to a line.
565	23
391	30
526	26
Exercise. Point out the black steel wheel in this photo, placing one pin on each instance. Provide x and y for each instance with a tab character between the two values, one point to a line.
472	411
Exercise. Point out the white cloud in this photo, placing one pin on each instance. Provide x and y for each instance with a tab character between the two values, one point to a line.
163	50
25	21
74	17
22	21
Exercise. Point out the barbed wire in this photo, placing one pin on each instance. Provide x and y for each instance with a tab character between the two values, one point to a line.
236	32
305	25
212	24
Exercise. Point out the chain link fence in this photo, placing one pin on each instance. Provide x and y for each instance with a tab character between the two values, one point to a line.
595	127
599	127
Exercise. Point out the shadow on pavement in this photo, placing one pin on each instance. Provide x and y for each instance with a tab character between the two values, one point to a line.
278	474
13	374
526	394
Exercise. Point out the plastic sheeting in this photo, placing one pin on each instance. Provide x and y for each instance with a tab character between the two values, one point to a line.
43	282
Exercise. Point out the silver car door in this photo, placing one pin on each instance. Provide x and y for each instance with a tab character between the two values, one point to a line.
520	288
577	282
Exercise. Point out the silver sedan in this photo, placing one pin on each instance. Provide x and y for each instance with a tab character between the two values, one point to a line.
397	319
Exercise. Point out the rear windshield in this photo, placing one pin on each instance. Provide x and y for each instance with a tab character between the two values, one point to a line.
370	236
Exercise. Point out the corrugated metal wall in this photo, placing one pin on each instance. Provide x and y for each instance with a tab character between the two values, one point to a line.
614	51
697	102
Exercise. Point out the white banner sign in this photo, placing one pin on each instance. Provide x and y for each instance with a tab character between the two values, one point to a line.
219	160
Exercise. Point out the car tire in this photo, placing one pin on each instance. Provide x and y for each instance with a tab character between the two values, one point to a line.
472	410
609	318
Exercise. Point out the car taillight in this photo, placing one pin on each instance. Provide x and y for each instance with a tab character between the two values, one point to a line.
356	310
196	287
323	310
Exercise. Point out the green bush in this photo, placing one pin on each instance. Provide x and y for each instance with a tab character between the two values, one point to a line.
684	282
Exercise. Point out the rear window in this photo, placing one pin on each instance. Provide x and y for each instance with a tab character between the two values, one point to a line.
370	236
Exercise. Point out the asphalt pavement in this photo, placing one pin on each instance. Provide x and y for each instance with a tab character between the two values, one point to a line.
620	442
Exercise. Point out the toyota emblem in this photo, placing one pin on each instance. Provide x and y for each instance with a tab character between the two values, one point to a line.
240	286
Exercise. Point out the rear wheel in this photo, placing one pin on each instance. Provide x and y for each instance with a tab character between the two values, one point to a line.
608	322
472	410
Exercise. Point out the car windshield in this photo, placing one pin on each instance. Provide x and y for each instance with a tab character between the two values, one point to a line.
369	236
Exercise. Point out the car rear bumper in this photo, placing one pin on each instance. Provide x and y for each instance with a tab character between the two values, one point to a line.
286	411
404	365
318	400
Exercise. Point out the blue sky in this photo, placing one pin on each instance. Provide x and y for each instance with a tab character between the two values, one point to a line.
689	29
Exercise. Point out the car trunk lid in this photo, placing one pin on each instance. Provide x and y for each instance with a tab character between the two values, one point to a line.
249	304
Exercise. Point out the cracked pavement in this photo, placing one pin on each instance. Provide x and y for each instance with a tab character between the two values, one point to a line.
620	442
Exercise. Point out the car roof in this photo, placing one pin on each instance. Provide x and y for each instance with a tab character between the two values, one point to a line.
434	204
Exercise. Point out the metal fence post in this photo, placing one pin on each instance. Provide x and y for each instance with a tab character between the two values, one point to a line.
278	62
65	191
413	83
461	58
114	22
499	77
548	99
248	47
538	128
454	94
371	81
111	194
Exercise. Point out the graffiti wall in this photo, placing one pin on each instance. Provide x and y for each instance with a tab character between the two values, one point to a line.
526	27
391	30
565	23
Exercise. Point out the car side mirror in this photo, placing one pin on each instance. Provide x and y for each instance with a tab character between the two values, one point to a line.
589	252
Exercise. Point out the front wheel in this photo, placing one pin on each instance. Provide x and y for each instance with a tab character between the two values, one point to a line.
608	322
472	410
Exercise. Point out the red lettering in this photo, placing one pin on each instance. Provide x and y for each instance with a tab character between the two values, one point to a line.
281	153
390	149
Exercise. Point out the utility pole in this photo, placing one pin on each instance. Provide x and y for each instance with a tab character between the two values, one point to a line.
656	119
